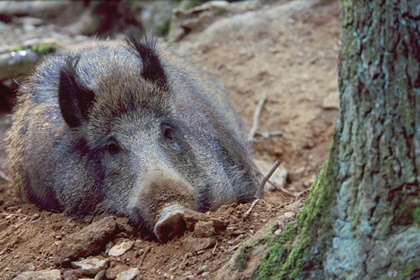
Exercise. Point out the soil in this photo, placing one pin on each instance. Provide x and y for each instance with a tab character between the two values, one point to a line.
295	66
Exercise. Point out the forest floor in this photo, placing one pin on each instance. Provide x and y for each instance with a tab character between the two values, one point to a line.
293	61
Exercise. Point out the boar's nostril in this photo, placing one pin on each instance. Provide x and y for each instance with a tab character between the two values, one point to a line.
171	223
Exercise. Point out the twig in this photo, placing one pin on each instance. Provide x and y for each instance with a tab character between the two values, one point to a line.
265	179
234	248
10	214
4	176
253	205
250	208
268	134
214	249
257	113
144	256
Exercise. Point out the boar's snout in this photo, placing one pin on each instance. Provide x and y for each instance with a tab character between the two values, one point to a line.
170	223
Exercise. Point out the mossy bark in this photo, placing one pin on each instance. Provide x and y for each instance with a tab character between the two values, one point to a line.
361	220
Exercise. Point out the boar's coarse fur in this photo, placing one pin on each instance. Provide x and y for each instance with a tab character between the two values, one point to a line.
126	128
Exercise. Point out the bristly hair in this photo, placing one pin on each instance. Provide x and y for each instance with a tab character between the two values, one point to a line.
75	100
145	48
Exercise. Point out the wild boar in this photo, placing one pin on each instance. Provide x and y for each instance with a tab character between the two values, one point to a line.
128	128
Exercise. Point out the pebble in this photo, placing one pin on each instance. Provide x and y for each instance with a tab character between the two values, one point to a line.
128	274
187	273
204	268
204	229
90	266
29	267
40	275
205	274
100	275
120	249
72	274
288	214
197	244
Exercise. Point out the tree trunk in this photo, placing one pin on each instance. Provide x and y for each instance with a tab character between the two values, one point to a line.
377	155
362	218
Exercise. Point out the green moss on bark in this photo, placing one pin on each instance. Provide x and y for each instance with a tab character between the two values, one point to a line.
40	49
298	251
43	49
244	255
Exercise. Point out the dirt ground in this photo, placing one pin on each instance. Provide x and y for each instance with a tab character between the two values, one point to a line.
295	66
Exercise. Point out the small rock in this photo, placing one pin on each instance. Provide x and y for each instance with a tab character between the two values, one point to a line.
278	232
203	269
90	266
288	214
197	244
40	275
72	274
128	274
331	101
205	274
115	269
100	275
86	241
120	249
29	267
187	273
108	246
204	229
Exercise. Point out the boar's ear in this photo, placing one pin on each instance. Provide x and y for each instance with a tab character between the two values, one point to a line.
75	100
145	48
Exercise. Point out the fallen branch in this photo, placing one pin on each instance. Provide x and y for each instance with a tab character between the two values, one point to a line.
214	249
257	113
19	215
234	248
250	208
268	134
144	256
265	179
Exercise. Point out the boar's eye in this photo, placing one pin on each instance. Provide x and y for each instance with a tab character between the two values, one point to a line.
167	131
112	147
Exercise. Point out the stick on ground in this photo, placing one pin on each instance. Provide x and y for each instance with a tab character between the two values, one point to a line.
250	208
265	179
257	113
144	256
